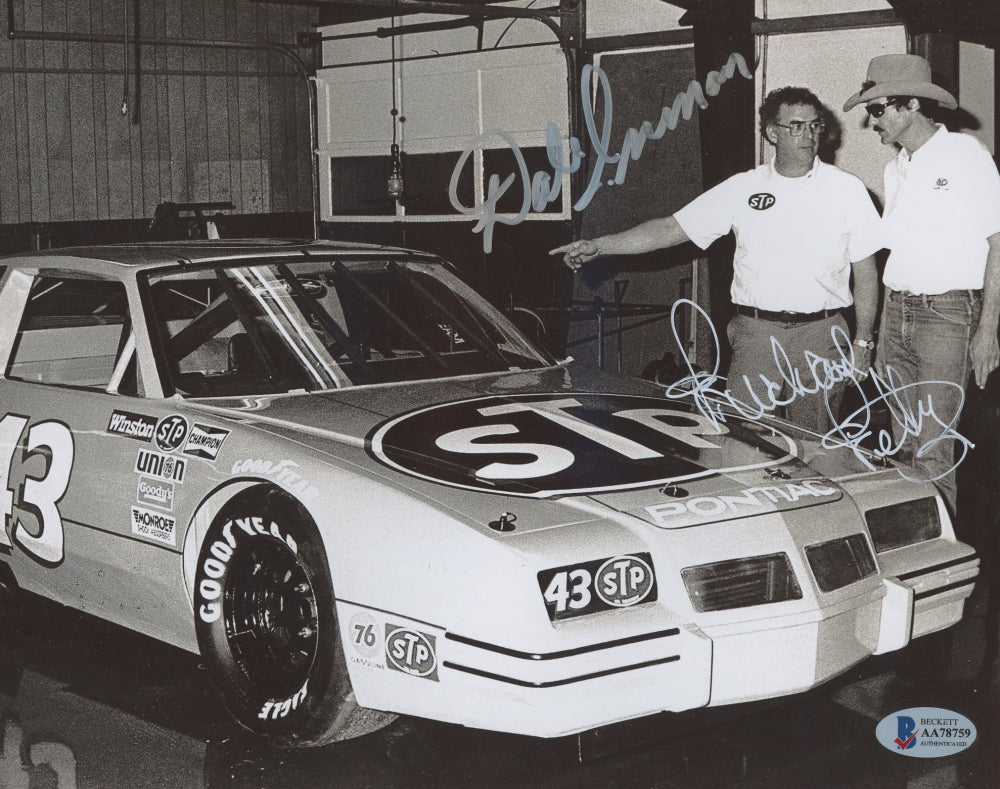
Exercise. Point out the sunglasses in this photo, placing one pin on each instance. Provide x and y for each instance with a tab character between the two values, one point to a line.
878	110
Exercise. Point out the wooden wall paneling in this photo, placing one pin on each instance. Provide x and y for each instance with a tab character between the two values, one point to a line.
96	103
250	152
212	124
136	133
34	86
304	142
196	138
83	149
219	159
149	137
80	63
20	109
234	142
9	200
176	130
278	101
263	62
196	111
58	145
161	122
37	144
218	162
165	57
119	151
114	187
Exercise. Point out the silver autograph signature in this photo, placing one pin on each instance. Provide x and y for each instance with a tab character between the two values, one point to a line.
706	388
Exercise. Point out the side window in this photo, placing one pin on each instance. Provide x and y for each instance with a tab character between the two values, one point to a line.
72	333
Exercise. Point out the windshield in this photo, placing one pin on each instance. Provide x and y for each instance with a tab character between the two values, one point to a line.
279	327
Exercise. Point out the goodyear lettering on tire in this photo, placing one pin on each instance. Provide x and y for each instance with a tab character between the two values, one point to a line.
214	565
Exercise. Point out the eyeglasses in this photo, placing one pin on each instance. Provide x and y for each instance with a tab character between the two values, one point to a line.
878	110
797	128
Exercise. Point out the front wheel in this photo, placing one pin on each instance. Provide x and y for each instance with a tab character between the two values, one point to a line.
267	626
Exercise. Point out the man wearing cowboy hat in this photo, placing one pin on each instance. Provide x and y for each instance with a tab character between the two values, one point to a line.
942	279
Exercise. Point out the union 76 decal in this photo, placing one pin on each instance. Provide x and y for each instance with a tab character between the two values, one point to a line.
32	482
555	444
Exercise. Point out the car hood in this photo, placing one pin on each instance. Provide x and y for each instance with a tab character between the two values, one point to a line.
566	434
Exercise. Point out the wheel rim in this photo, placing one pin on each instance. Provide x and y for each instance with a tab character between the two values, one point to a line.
271	618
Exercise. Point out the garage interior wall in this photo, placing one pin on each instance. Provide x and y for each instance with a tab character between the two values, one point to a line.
201	124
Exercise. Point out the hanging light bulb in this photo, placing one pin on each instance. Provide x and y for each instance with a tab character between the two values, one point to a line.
395	181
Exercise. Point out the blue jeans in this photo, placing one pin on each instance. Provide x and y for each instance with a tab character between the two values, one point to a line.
754	362
923	346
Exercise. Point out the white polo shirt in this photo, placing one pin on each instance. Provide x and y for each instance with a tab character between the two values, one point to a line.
795	237
941	204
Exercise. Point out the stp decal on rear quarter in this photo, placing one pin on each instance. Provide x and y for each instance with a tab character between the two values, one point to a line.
553	444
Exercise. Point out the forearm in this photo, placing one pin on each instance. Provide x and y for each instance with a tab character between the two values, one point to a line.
645	237
984	349
865	298
990	316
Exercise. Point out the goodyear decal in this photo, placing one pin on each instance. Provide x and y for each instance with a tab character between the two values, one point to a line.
554	444
282	471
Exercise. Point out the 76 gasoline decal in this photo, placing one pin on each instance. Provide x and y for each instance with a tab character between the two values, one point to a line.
600	585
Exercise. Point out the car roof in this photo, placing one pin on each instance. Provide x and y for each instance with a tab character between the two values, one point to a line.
155	254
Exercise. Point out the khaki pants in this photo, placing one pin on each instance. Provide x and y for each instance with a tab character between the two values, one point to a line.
774	366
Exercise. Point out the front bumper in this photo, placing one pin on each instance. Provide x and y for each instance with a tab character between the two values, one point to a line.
605	676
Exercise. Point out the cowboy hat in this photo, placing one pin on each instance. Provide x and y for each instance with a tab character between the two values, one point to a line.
900	75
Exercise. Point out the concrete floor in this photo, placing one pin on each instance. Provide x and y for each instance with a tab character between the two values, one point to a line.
86	704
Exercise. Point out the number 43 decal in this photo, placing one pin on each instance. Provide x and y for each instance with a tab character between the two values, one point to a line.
28	503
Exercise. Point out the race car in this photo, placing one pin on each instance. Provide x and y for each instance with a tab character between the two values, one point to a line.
357	490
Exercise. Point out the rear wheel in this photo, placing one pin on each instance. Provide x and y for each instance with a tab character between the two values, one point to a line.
267	627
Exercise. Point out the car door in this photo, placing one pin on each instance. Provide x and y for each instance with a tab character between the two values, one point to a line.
82	525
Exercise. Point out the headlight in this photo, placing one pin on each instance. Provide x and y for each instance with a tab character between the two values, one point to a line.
840	562
904	524
741	582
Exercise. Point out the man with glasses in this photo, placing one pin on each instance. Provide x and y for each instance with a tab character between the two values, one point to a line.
942	278
802	227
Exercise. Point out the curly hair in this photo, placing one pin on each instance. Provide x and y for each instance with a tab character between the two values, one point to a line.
771	106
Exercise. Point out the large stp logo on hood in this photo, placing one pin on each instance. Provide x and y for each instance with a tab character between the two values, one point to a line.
556	444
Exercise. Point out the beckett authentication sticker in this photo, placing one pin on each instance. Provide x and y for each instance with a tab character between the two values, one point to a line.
926	732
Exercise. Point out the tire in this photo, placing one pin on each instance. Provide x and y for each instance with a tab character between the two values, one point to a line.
267	629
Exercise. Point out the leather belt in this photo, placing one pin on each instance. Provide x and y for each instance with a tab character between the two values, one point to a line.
785	317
